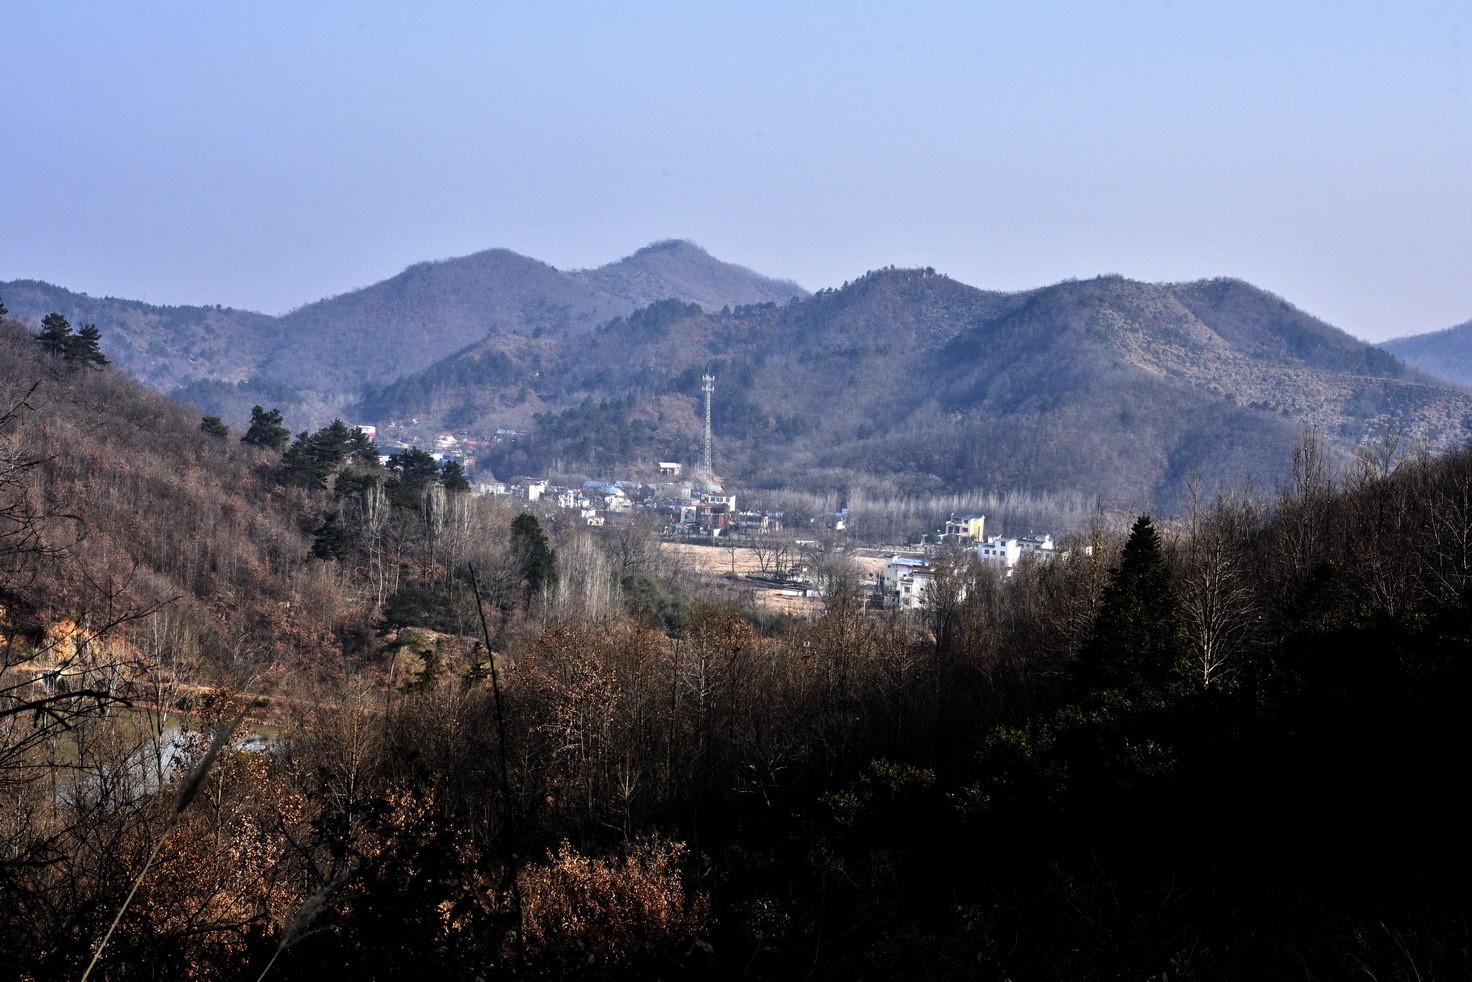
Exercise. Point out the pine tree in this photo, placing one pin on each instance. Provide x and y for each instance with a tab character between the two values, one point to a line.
331	539
414	470
313	458
362	448
85	347
452	475
214	426
56	335
1138	646
266	430
535	558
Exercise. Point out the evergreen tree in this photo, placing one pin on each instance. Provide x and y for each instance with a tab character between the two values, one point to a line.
4	310
331	540
1138	645
313	458
452	475
86	347
56	334
362	448
214	426
535	559
414	470
266	430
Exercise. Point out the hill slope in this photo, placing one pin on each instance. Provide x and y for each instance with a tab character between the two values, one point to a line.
148	513
161	346
1118	388
1445	353
314	358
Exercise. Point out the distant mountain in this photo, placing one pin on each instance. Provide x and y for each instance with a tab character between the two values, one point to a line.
903	379
316	357
1123	389
1445	353
160	346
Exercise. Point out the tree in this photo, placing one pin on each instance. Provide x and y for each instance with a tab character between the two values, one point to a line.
214	426
56	335
331	540
266	430
313	458
452	474
83	347
535	559
86	348
1137	647
4	311
1218	602
362	448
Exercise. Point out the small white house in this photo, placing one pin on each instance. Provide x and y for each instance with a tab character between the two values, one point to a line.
904	581
1007	553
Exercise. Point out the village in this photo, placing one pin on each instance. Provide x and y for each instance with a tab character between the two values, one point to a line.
699	511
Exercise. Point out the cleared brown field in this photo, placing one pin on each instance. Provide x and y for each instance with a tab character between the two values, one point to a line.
731	567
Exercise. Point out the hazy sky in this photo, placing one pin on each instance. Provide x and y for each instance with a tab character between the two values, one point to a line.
264	155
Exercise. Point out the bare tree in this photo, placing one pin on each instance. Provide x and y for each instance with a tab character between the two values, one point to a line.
1219	605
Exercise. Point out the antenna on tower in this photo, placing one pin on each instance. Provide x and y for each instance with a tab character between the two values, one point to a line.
707	458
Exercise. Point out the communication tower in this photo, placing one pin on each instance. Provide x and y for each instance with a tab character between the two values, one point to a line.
707	458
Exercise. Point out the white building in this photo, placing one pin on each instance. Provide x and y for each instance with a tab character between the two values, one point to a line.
1007	553
904	582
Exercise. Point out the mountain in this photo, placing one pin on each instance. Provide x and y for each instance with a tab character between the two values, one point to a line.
120	510
1445	353
161	346
914	381
314	358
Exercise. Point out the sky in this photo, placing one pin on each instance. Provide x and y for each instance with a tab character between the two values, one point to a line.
264	155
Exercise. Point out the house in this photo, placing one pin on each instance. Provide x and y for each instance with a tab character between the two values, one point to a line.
966	525
1007	553
669	469
903	582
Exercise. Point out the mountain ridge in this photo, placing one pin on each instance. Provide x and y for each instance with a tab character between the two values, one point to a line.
1122	388
323	350
1446	353
903	377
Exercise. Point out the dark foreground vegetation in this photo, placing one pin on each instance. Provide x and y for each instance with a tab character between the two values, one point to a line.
1230	746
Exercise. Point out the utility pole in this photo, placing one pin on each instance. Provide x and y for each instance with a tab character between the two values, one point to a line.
707	458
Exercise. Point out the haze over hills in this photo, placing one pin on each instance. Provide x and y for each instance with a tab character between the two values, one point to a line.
911	380
904	379
1445	353
314	358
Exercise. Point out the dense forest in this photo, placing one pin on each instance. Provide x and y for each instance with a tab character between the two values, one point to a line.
1218	745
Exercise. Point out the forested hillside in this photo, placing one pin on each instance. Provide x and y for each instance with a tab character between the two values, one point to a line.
1221	746
161	346
138	512
901	382
316	357
1445	353
907	381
